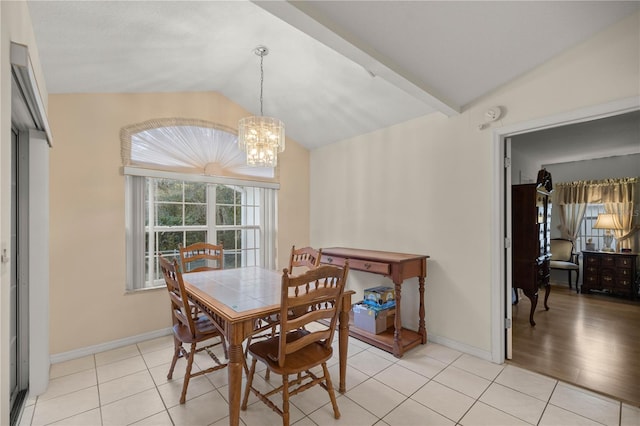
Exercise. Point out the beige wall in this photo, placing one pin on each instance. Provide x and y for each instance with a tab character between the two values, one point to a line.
427	186
88	301
15	25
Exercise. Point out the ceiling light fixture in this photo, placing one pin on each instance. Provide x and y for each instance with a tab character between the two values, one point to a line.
262	138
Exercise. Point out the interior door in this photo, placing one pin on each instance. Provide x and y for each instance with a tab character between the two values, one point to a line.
507	250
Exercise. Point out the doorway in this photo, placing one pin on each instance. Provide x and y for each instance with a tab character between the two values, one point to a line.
502	343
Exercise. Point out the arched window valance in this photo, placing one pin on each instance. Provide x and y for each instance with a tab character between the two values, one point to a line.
188	146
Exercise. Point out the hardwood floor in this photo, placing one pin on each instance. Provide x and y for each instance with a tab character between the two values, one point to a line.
590	340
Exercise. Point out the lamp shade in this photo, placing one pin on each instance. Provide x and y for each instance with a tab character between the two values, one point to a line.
607	221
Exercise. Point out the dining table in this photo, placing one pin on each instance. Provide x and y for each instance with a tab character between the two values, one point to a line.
235	300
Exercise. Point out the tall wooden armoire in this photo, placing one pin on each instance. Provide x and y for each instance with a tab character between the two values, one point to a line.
531	252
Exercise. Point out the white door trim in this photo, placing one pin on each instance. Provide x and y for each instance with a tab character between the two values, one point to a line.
498	258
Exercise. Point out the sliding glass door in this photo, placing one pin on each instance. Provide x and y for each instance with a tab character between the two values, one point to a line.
19	329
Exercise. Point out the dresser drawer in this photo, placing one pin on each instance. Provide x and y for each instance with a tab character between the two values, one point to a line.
592	261
608	262
591	270
591	280
623	284
624	273
624	262
607	281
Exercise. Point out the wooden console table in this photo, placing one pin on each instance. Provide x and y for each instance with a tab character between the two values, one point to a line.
398	267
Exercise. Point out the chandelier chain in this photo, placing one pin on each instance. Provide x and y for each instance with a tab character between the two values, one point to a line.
261	82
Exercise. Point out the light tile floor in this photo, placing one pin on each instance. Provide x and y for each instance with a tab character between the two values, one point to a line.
430	385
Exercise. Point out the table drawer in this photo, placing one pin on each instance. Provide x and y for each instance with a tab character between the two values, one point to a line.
333	260
359	264
369	266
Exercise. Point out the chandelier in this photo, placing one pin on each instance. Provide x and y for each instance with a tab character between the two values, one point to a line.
262	138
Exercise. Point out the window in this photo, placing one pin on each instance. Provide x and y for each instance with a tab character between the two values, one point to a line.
174	212
587	232
185	181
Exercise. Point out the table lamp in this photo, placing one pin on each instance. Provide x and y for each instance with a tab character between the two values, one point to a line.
607	222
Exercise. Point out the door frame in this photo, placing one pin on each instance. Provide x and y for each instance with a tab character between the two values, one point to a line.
500	283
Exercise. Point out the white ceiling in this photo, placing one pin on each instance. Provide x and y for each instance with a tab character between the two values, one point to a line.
618	135
335	69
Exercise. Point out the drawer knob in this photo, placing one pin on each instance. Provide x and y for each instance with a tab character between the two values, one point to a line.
330	259
367	266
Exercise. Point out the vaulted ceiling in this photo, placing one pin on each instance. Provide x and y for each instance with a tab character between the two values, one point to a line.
335	69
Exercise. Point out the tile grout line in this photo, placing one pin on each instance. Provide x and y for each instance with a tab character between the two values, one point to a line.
155	385
95	366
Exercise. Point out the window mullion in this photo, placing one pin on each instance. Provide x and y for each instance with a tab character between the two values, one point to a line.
212	237
151	249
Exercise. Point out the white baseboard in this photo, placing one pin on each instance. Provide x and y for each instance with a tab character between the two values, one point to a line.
453	344
114	344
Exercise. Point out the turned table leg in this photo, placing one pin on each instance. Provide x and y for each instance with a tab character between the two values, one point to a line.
234	371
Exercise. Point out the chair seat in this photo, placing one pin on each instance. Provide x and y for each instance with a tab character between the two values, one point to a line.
267	352
560	264
204	327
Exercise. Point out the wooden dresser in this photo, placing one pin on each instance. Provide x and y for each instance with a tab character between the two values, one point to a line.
531	247
614	272
398	267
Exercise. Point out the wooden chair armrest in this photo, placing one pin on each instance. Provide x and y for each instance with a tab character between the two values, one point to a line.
575	258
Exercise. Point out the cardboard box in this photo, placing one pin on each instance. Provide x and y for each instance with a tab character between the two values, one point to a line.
372	319
380	295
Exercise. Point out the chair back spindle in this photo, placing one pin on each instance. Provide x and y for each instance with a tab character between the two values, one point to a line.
201	257
304	257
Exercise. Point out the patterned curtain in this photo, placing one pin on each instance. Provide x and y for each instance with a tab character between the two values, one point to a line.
619	197
624	212
571	216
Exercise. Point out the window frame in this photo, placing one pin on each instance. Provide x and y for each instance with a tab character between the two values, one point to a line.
137	258
586	228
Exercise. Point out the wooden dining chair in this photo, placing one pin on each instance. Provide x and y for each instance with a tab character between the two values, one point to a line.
305	256
295	350
201	257
190	326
